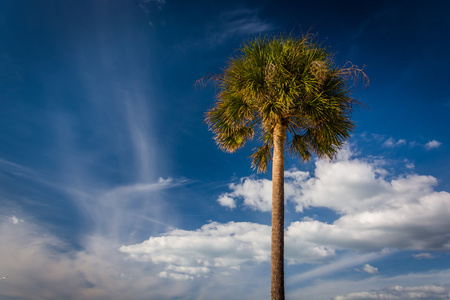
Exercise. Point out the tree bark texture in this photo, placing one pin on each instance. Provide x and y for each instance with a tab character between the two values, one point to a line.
277	254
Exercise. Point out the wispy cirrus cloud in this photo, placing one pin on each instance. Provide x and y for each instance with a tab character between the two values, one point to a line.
96	171
346	261
424	256
391	142
132	190
241	22
146	5
244	21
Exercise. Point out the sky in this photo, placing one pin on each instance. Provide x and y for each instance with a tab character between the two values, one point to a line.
112	187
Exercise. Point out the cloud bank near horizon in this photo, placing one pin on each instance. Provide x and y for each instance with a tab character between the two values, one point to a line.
376	211
403	212
425	292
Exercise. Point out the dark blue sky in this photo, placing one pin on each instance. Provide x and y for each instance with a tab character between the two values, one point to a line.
111	186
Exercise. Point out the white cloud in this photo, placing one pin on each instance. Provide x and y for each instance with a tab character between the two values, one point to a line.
188	254
368	269
376	213
344	186
345	261
424	256
133	190
416	225
333	287
238	22
432	145
409	214
391	142
100	272
427	292
257	194
413	226
409	165
41	266
227	201
388	142
137	117
16	220
347	185
195	253
244	21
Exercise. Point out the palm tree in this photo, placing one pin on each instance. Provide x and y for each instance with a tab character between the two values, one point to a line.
288	92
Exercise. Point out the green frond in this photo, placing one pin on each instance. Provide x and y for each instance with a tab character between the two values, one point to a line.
299	147
261	158
231	139
327	139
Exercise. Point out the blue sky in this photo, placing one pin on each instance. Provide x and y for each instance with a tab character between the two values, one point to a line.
111	186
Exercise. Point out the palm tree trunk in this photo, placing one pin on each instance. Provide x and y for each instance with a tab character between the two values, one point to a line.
277	258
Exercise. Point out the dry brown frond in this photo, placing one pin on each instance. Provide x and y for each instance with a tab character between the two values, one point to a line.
213	79
354	74
320	70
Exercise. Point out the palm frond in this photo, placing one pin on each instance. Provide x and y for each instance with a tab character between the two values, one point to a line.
261	158
299	147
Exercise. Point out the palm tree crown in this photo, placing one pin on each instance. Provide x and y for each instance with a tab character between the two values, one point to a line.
288	81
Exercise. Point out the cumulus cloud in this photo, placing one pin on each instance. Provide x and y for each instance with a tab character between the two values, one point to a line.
189	254
427	292
407	214
415	226
411	226
347	186
432	145
376	212
368	269
227	201
257	194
